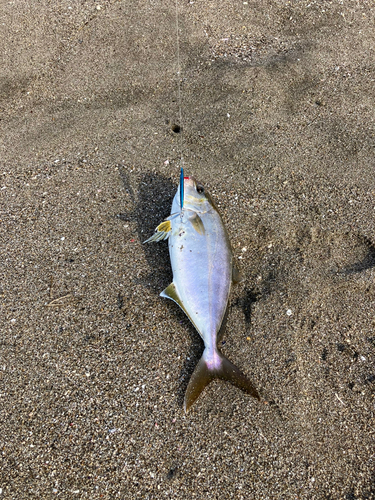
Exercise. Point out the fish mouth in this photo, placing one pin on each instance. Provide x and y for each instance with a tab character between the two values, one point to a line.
190	181
194	187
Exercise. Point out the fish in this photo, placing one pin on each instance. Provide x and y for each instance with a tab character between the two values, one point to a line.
203	272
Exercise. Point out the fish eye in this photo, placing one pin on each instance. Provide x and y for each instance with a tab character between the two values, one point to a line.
200	188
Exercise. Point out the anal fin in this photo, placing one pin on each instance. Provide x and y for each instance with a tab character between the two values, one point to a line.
171	293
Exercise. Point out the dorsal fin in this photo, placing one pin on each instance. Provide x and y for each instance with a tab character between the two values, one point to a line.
236	276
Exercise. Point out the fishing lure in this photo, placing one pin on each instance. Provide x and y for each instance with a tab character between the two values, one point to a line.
182	189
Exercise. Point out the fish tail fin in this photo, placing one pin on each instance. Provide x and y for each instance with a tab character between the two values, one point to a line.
201	377
232	374
221	368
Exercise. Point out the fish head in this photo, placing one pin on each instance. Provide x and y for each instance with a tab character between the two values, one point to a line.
196	197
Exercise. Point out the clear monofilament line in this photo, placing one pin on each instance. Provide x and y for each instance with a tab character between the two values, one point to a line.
179	83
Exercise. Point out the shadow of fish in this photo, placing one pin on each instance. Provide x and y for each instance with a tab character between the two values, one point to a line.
203	272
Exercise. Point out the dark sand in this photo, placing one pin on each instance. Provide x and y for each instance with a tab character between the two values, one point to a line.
278	122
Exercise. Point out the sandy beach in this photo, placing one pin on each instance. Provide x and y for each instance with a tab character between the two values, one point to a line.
278	123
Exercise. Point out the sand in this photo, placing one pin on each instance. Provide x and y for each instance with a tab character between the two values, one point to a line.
278	124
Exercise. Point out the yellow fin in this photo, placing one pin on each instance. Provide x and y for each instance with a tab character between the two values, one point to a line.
161	232
165	226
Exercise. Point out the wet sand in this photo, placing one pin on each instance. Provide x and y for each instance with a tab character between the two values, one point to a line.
278	123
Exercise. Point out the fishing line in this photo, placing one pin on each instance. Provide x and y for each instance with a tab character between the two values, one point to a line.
179	79
180	112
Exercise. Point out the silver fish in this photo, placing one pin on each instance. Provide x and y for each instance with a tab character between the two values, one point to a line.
203	272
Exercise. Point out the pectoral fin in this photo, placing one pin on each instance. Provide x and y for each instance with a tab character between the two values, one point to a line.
197	224
162	232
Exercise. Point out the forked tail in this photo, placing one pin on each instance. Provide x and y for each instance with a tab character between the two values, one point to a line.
208	369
